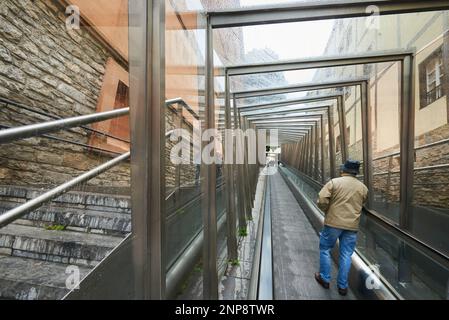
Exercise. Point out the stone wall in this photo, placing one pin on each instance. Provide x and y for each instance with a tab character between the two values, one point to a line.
60	72
178	175
431	185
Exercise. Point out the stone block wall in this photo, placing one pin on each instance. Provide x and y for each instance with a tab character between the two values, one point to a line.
51	69
183	174
48	68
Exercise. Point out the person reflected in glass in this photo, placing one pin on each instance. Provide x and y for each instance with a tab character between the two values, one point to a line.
341	200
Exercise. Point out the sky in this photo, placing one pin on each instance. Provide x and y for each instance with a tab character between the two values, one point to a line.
288	40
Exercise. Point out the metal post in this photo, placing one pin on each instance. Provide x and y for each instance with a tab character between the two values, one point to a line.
323	178
407	161
297	155
316	147
229	176
209	185
367	140
330	120
342	123
241	193
303	155
178	166
310	151
407	142
147	92
306	154
247	179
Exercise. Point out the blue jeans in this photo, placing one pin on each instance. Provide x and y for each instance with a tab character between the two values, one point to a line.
328	238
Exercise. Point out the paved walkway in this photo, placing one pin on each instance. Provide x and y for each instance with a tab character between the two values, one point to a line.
295	249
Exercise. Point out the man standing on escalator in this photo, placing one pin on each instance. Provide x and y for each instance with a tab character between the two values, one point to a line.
341	200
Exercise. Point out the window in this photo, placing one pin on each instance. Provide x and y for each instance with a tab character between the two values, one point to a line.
120	126
431	75
114	95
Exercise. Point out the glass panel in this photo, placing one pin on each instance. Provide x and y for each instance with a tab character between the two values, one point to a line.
385	112
354	137
264	43
430	207
221	190
184	51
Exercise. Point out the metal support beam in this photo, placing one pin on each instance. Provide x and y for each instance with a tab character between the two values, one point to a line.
288	102
239	167
322	133
407	142
282	112
318	11
330	120
316	63
209	190
229	178
367	140
147	96
298	88
342	122
316	147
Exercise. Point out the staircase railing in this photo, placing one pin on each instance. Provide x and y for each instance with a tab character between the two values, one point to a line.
42	129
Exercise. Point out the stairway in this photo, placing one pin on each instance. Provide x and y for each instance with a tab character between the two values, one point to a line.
77	229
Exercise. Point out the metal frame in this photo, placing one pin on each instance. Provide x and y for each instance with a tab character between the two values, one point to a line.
290	13
362	82
328	111
405	58
209	210
33	130
147	96
317	11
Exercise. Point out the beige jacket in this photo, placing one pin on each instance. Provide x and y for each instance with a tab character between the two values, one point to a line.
341	200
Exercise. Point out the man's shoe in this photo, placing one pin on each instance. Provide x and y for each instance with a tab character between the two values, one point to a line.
343	292
320	280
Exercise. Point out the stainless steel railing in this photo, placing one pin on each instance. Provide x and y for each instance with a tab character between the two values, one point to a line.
38	129
17	212
16	106
41	129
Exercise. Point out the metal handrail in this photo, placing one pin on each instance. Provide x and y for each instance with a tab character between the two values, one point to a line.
41	129
424	146
184	104
33	130
25	208
46	114
46	136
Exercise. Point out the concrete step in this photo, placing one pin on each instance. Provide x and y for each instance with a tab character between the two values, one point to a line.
74	199
80	220
56	246
28	279
80	212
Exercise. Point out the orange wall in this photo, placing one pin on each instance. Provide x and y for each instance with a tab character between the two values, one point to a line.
109	18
